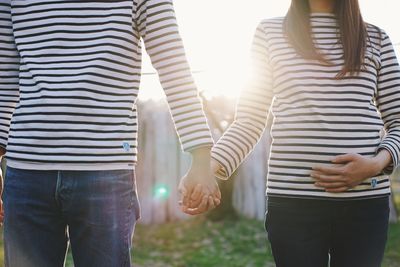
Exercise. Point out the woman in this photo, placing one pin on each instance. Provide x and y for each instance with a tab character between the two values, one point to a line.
332	83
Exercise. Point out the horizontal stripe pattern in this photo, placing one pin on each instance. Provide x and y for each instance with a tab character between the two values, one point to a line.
76	67
9	66
316	115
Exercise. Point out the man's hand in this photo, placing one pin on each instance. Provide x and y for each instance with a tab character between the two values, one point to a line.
349	171
199	189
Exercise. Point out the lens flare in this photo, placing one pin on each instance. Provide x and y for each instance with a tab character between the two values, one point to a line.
161	192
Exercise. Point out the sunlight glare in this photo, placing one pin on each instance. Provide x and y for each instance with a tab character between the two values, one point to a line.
217	40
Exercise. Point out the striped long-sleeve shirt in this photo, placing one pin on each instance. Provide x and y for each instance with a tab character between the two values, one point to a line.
316	115
69	80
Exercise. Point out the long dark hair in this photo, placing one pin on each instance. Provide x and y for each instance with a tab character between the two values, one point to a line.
353	33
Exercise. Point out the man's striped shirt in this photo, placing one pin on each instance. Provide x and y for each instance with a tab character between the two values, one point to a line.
69	80
316	115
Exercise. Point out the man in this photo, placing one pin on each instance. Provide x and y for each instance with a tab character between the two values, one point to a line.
69	79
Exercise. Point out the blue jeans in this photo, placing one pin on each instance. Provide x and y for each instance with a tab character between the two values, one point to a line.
95	211
311	233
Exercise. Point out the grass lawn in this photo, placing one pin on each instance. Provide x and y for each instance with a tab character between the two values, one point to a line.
201	243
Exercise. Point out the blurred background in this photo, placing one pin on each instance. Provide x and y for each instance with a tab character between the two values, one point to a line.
217	37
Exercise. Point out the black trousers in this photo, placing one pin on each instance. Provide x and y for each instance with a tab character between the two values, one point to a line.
321	233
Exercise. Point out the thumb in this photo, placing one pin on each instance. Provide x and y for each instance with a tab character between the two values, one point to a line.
182	188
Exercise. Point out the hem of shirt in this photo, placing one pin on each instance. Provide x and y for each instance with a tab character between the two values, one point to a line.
343	198
70	167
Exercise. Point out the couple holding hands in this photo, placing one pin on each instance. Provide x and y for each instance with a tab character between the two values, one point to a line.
69	80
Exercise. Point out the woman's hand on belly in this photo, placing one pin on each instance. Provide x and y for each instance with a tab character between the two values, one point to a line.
349	170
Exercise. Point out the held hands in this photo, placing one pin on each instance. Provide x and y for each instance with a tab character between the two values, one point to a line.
349	171
199	189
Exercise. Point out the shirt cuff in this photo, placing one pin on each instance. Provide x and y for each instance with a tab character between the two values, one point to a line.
391	167
224	171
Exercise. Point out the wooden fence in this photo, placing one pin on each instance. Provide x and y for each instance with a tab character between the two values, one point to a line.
162	163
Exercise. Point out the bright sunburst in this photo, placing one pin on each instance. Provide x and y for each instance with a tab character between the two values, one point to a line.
218	34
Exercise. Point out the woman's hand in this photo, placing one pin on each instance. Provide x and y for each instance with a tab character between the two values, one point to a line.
349	171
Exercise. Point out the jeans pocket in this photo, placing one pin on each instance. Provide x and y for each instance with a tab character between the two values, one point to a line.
14	186
10	175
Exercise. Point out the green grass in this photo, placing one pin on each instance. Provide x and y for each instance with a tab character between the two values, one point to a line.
392	254
201	243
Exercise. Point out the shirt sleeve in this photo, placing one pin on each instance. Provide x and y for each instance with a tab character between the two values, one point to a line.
9	71
157	25
251	111
388	100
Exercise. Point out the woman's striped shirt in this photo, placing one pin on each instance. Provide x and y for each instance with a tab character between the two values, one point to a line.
69	80
316	115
